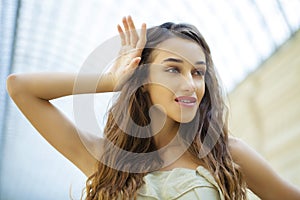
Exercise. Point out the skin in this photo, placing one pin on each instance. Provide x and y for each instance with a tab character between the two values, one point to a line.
172	76
32	94
177	71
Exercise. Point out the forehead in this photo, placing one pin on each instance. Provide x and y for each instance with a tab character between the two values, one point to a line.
180	48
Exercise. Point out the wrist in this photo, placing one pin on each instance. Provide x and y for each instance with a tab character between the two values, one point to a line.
106	83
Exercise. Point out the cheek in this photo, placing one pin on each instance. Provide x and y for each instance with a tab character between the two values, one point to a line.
200	91
160	95
156	92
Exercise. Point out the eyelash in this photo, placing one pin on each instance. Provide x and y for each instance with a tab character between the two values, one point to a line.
172	69
199	72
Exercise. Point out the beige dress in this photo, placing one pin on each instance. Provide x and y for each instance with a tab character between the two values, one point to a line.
181	184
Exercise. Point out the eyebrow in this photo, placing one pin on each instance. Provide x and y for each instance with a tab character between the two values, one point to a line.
181	61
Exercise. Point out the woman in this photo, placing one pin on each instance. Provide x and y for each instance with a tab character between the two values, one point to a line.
166	136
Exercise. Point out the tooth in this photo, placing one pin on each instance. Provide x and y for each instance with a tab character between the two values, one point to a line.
185	101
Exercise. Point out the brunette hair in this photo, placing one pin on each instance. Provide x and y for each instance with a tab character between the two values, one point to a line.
121	170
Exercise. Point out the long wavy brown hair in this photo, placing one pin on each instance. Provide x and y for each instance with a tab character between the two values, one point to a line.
129	140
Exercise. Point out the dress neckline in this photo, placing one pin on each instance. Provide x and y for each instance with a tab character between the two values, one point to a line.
200	167
158	176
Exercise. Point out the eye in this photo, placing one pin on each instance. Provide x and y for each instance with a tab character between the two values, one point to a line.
199	72
173	70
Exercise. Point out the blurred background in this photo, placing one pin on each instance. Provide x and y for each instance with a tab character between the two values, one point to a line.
255	46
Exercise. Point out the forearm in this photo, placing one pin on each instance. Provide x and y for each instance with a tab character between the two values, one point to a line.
49	86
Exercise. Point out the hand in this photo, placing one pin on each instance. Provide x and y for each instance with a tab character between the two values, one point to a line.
129	54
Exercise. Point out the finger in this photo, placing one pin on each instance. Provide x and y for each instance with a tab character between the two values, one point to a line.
127	32
122	35
143	38
133	33
134	63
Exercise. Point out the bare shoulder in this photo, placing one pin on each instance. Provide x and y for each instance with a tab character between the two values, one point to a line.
242	152
234	142
245	156
238	148
259	174
249	160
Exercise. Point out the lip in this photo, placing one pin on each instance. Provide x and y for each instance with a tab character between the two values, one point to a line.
186	101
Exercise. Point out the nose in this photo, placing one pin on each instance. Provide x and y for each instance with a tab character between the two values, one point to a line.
188	83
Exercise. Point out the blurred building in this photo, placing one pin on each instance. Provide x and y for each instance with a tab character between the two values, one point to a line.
265	109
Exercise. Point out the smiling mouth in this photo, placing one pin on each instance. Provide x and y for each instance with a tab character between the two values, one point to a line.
186	101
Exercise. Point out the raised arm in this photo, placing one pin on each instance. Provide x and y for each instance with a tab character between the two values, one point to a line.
32	94
260	177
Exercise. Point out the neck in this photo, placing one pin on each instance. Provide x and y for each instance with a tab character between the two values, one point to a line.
164	128
166	134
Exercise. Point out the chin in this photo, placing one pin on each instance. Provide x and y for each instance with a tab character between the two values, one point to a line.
185	119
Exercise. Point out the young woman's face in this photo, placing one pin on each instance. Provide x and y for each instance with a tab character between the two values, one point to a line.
176	77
